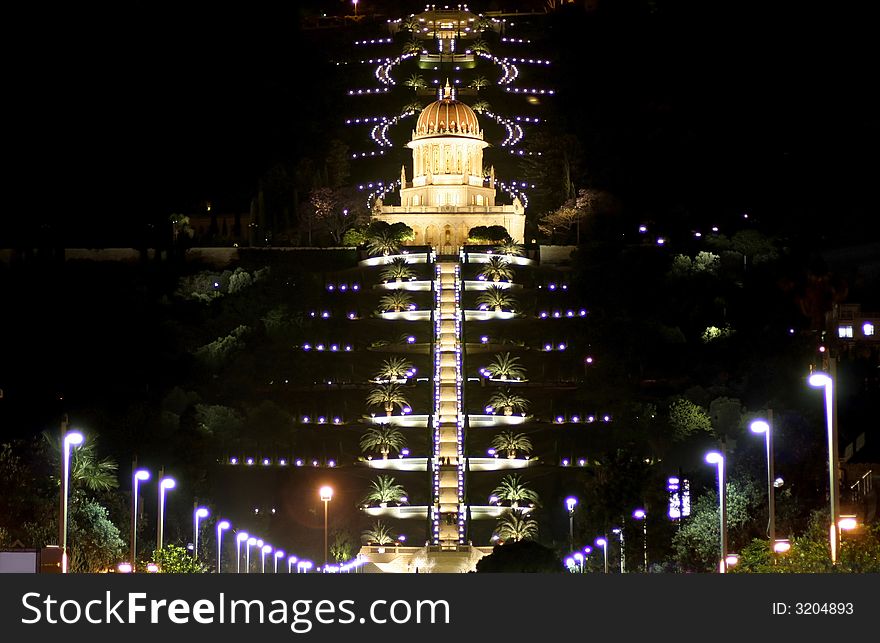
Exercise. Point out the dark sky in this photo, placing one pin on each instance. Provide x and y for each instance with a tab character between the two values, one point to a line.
137	109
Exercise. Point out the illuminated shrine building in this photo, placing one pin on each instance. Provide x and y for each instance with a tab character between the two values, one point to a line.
448	194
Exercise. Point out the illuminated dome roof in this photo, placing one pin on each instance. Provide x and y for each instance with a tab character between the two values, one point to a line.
447	117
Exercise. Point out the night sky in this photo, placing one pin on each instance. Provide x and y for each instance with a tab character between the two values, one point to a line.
123	113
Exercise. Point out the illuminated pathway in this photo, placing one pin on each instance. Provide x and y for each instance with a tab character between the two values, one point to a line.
447	514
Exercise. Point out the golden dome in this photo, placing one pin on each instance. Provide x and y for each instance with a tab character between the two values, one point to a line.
447	117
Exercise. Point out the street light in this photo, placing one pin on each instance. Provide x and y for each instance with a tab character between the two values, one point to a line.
221	526
240	537
781	546
639	514
326	495
716	458
265	550
619	532
69	440
164	485
198	514
278	554
141	475
355	3
290	561
817	380
570	503
579	557
247	559
603	543
763	426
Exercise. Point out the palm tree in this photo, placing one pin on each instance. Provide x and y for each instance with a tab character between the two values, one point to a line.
510	247
393	368
396	300
481	106
515	526
414	106
410	23
384	490
479	83
412	47
496	298
416	81
387	396
480	46
382	438
383	242
497	269
505	367
379	533
514	491
86	468
512	442
510	403
397	270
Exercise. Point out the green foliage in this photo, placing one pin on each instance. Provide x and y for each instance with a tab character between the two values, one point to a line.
378	534
510	247
525	556
497	298
688	419
173	559
341	546
394	368
497	269
479	46
515	526
207	286
478	83
219	422
508	402
216	354
398	269
95	544
385	238
504	366
513	490
383	438
713	333
488	234
726	415
705	263
481	106
387	396
354	237
511	442
384	489
396	301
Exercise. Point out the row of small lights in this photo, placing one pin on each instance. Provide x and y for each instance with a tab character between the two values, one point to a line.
326	314
360	155
519	41
346	348
281	462
513	192
510	70
577	419
372	90
376	41
514	131
380	193
553	286
343	287
558	314
518	90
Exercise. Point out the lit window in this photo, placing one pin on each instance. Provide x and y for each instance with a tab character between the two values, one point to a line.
844	331
868	329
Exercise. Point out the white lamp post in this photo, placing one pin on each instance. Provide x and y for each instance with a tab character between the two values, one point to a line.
603	543
69	440
618	531
240	537
165	484
198	514
247	559
326	496
570	504
579	557
290	561
763	426
221	526
639	514
278	554
716	458
817	380
265	550
141	475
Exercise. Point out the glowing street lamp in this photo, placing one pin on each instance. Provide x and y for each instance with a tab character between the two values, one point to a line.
639	514
221	526
198	514
290	561
618	531
579	557
847	523
781	546
817	380
265	550
140	475
240	537
570	503
165	484
247	559
763	426
326	495
278	554
603	543
716	458
69	440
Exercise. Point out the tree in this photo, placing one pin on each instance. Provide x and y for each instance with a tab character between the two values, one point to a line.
504	366
95	542
687	419
394	368
413	107
481	106
396	301
508	402
378	534
173	559
510	248
341	546
479	46
525	556
382	242
216	354
516	526
488	234
387	396
413	47
497	269
382	438
478	83
512	490
384	490
416	81
512	443
397	270
497	298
